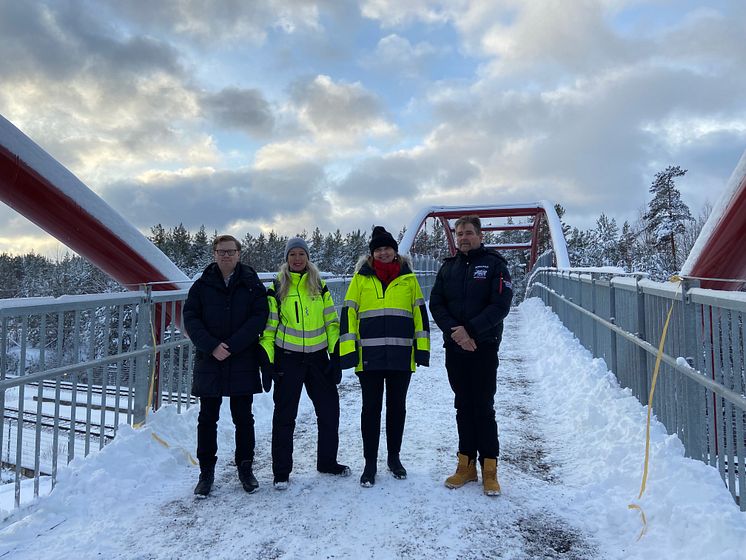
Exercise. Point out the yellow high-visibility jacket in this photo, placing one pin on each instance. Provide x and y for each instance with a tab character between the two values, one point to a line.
384	329
301	322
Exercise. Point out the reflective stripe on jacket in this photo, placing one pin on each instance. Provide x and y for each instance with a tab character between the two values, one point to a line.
384	329
303	323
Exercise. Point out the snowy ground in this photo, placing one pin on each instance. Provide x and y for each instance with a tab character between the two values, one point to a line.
572	450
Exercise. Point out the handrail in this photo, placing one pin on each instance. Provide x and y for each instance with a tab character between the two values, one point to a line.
738	400
701	396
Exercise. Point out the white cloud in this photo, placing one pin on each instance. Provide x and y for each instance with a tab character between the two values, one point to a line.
242	109
220	20
396	54
279	113
393	13
327	107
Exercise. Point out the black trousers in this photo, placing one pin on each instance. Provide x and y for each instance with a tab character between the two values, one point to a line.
372	385
473	378
207	429
298	370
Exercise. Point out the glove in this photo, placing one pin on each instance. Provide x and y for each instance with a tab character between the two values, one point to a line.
333	368
268	370
422	358
268	373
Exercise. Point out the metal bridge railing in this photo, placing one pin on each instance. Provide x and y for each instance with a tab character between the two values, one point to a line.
72	369
700	392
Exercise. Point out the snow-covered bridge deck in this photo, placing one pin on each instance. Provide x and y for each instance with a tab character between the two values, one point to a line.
571	462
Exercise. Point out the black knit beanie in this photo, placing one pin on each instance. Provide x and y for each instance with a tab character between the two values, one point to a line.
382	238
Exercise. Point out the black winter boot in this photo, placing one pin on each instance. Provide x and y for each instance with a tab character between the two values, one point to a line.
396	468
368	477
204	484
335	469
247	478
281	482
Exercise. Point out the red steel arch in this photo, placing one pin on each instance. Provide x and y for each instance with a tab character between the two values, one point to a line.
37	186
535	214
719	254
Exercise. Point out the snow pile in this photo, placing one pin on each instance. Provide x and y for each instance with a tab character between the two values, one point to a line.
690	513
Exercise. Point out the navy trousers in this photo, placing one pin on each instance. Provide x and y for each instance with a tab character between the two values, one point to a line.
372	385
207	429
299	370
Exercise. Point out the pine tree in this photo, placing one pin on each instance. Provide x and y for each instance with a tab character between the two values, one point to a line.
275	250
667	214
356	245
626	244
10	276
604	242
158	236
334	258
317	246
577	247
180	247
693	230
201	251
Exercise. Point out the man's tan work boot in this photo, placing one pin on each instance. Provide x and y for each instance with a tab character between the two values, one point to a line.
466	471
489	477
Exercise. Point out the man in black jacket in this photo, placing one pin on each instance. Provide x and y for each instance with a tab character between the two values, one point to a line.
224	315
470	299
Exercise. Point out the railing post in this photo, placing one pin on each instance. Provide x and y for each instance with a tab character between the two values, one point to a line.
694	438
594	324
3	365
142	375
612	335
642	363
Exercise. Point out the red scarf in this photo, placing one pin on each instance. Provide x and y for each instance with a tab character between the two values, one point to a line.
386	272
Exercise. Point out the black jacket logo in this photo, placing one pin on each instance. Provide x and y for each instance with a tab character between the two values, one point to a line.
480	271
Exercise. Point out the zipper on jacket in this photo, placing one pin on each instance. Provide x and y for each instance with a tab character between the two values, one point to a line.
466	284
298	314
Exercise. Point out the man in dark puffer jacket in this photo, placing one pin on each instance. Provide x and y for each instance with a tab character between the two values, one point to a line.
224	315
471	297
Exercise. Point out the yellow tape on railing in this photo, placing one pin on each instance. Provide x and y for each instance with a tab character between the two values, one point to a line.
646	463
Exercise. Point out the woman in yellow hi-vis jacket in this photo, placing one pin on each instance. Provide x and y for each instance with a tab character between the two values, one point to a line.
384	334
300	341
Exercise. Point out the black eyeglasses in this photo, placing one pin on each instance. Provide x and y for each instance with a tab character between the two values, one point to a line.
226	252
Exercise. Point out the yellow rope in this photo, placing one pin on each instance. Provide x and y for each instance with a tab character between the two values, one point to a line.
646	463
165	444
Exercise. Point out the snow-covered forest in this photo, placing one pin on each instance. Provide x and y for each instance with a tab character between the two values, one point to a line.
657	242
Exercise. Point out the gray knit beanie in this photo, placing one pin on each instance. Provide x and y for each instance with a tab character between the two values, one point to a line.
295	243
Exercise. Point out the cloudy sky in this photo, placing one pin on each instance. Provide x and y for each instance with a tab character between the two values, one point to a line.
289	114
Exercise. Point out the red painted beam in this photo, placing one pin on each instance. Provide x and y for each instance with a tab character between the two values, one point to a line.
37	186
723	254
35	197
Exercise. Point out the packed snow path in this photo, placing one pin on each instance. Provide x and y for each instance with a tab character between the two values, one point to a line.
572	447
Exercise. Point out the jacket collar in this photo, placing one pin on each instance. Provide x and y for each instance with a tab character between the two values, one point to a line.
214	277
367	270
297	277
479	251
